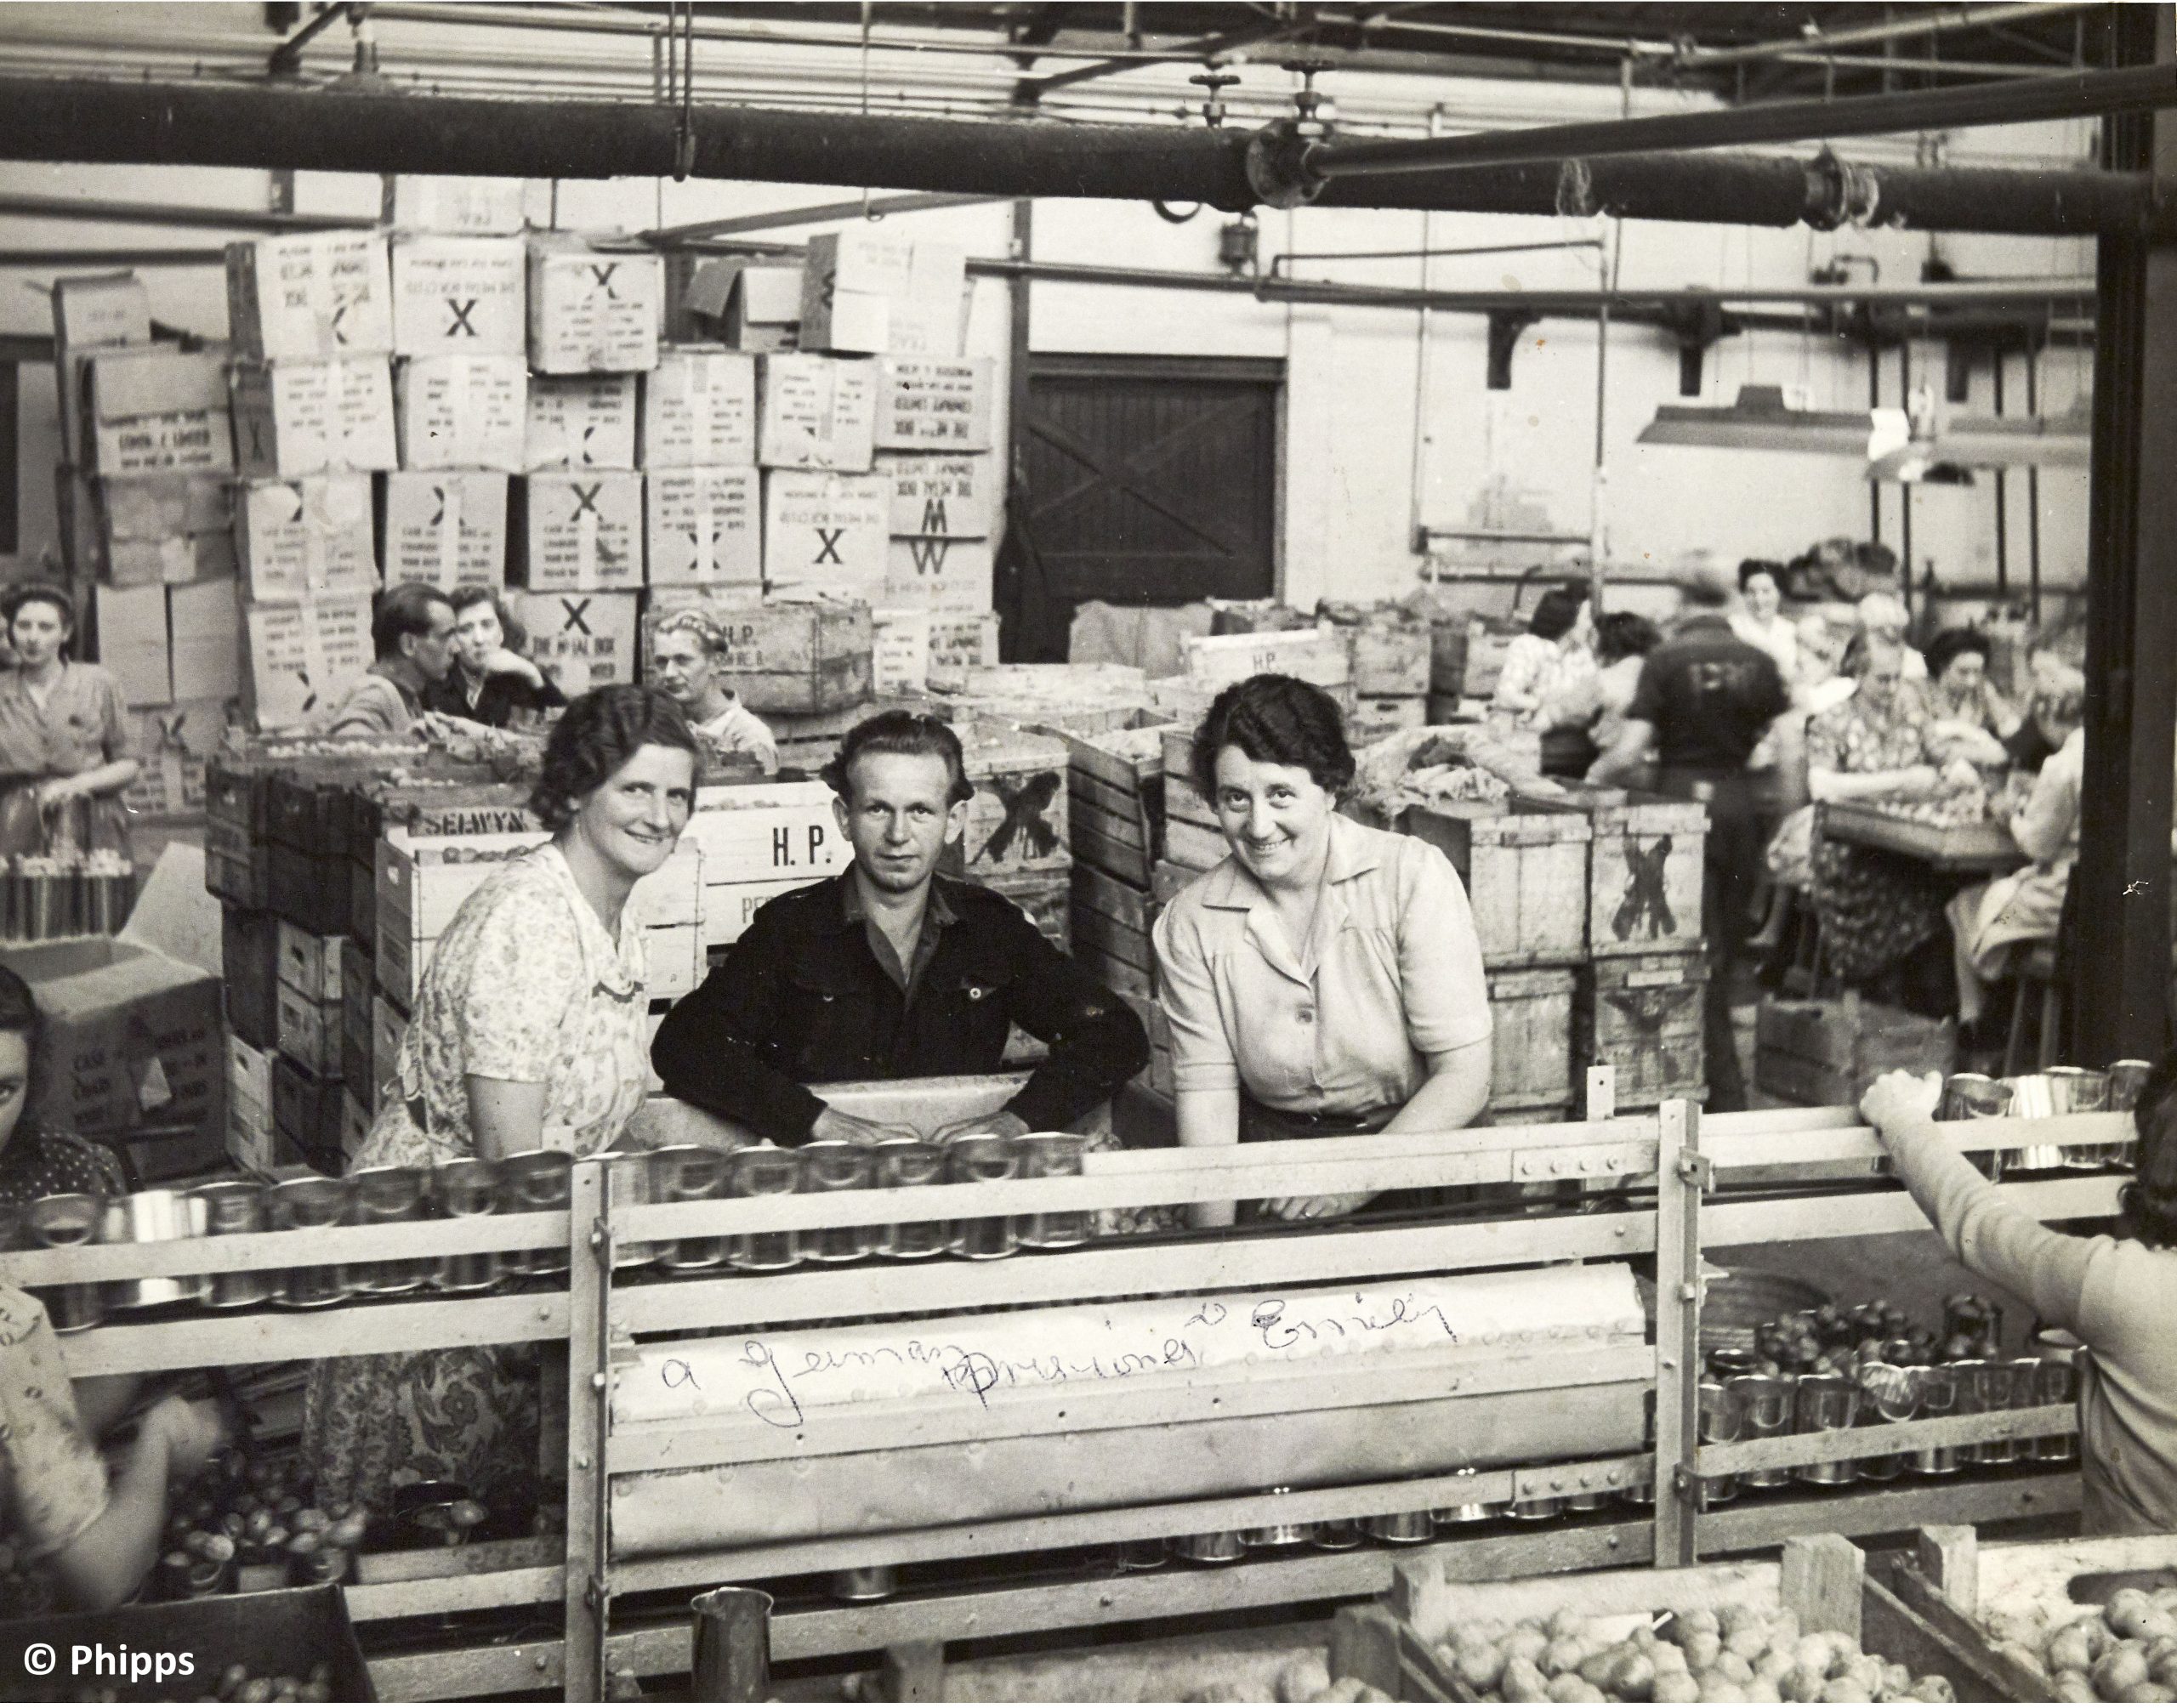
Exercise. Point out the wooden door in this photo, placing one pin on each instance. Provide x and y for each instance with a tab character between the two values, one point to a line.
1149	480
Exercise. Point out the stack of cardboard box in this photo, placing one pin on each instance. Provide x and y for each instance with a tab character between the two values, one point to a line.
149	456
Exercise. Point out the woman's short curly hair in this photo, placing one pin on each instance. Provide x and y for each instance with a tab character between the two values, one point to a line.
38	592
1556	612
1275	720
1952	644
471	594
2148	1202
598	734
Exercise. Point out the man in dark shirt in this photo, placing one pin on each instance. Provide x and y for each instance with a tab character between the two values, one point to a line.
1704	701
890	971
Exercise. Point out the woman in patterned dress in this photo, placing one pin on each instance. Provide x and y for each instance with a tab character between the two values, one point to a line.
1877	908
64	736
528	1034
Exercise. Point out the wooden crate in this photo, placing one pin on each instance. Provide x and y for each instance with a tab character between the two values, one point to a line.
1524	866
1488	642
1823	1581
1828	1052
1531	1050
1390	657
1115	805
1113	918
1323	656
1257	616
1378	720
1447	647
358	980
1643	1015
1987	1600
1017	818
799	656
1643	870
1167	878
1046	897
250	957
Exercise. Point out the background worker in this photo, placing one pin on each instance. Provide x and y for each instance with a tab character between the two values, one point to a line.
413	633
889	971
1705	699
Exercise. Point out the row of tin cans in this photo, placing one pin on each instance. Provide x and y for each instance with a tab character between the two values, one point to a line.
540	1180
2051	1092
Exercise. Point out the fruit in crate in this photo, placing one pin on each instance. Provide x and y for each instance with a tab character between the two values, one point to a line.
1732	1655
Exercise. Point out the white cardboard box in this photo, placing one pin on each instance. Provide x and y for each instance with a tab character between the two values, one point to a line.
816	412
930	403
459	296
578	531
444	526
899	662
153	507
873	289
133	643
959	643
761	307
456	207
100	311
157	410
824	532
176	560
702	527
921	649
463	412
173	743
951	575
302	657
590	312
583	640
581	421
204	620
308	296
308	538
699	409
941	495
308	417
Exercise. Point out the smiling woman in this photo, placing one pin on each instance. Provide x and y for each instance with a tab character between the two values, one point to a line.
529	1033
64	739
1326	978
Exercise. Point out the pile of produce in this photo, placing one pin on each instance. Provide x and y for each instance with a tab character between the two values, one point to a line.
1834	1340
1733	1655
242	1512
2126	1652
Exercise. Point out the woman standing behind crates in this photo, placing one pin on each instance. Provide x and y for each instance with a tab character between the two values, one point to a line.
64	737
529	1033
1324	978
2112	1293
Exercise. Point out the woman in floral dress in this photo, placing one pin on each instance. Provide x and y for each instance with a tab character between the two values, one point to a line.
528	1034
1876	908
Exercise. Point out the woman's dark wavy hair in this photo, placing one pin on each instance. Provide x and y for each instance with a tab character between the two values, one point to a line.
471	594
1952	644
2148	1203
1556	612
1275	720
598	734
20	1014
1621	634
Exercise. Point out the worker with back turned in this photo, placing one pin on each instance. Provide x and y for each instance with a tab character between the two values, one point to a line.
1704	701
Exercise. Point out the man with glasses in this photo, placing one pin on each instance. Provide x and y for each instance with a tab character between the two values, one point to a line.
890	971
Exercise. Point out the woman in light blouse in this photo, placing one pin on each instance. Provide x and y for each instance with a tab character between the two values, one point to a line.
1324	978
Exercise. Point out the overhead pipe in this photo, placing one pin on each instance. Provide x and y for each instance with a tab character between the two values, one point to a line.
273	127
1923	21
2064	95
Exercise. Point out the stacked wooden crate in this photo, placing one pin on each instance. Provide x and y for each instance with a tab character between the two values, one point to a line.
1524	866
1392	667
1640	1001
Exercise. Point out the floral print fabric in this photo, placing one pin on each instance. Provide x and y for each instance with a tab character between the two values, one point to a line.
1876	907
55	1484
526	985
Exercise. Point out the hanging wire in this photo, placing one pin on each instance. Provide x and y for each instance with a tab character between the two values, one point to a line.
868	212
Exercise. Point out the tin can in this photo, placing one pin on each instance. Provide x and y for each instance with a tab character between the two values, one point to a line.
1985	1384
762	1171
1465	1510
1406	1529
834	1165
55	1222
2055	1382
2081	1090
865	1583
468	1187
974	1158
690	1174
1211	1547
531	1181
632	1183
234	1207
1279	1532
2033	1098
309	1204
382	1196
1770	1403
1938	1393
1052	1157
1894	1396
909	1162
1722	1420
1821	1402
151	1217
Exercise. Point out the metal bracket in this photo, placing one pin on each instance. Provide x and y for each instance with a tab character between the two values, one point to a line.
1276	169
1505	328
1696	1171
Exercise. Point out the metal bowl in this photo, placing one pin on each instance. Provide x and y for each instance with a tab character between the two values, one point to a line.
1211	1548
1402	1527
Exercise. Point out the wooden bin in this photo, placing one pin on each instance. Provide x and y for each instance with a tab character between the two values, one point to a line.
1017	817
790	656
1968	1593
1524	866
1113	918
1115	805
1823	1052
1046	897
1643	1015
1643	870
1531	1051
1824	1580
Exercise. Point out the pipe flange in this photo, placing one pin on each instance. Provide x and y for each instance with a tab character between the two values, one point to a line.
1277	168
1839	193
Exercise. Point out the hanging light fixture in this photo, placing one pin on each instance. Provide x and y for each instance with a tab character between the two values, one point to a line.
1896	445
1760	420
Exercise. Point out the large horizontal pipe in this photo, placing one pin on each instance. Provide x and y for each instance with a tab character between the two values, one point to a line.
275	127
2066	96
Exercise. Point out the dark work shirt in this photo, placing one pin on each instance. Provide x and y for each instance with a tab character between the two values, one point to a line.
2028	748
1709	696
505	701
801	1000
